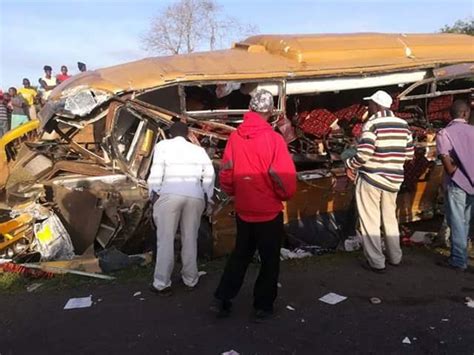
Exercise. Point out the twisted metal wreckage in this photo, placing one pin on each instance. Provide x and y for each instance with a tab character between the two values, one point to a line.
83	172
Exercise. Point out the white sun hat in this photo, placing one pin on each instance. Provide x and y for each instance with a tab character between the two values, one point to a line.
382	98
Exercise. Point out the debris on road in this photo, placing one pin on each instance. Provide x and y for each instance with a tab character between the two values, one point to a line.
445	320
290	308
60	270
81	302
286	254
138	293
375	300
34	286
406	341
230	352
422	238
52	240
469	302
279	285
353	243
332	298
112	259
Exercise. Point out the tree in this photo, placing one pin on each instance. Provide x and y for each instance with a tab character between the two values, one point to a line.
190	25
461	26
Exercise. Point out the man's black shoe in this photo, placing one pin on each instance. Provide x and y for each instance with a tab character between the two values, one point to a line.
261	316
446	264
222	309
166	292
367	266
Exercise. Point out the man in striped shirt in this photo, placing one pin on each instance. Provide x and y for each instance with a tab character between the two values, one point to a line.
386	143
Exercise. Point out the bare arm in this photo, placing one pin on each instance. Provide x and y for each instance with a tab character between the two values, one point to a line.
449	166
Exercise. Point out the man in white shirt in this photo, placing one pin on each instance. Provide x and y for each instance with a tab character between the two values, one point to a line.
182	176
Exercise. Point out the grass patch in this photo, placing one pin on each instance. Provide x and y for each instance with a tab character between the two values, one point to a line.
10	282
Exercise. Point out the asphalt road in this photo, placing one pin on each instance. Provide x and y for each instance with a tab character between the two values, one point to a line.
420	300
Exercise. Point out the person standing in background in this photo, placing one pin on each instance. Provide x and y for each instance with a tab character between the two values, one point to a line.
82	67
63	76
30	95
19	109
4	116
47	82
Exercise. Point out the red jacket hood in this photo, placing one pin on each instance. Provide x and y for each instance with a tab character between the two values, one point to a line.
253	126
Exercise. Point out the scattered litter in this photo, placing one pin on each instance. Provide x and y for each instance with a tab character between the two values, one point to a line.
230	352
445	320
286	254
279	285
138	293
421	238
290	308
202	273
332	298
415	338
34	286
375	300
302	321
469	302
142	299
353	243
99	300
406	341
81	302
432	328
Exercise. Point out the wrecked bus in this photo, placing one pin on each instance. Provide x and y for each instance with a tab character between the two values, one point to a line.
90	160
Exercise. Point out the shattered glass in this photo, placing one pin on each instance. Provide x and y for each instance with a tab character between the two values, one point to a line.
83	100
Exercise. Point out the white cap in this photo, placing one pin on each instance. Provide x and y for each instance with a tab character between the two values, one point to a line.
382	98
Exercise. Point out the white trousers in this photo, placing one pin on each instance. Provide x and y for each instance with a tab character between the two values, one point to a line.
169	212
377	208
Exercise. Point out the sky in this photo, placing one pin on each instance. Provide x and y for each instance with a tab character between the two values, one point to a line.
108	32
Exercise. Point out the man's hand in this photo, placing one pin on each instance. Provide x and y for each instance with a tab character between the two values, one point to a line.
449	164
351	174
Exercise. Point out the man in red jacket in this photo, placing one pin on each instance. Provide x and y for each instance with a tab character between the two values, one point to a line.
258	171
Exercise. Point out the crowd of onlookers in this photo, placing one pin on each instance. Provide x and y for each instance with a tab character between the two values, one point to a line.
18	106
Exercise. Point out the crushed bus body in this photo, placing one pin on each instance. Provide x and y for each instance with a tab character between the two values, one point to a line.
89	163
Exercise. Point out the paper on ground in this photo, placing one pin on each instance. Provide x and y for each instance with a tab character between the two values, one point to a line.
138	293
332	298
231	352
406	341
81	302
34	286
290	308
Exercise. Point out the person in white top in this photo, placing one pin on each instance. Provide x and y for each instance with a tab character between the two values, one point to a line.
180	183
47	82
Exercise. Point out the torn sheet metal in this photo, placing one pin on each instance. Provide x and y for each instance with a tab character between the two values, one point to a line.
52	240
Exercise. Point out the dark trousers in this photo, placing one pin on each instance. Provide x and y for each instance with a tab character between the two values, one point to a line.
266	238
